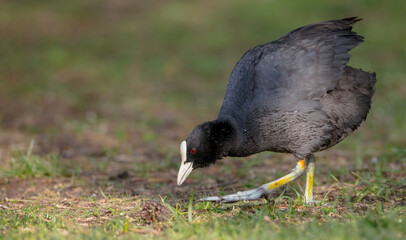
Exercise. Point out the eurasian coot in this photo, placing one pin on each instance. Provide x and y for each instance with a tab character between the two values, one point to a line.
293	95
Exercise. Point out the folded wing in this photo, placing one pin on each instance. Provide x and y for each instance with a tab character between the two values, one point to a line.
306	63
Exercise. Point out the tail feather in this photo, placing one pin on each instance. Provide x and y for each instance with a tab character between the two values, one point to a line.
349	103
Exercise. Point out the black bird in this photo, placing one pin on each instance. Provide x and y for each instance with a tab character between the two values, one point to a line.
293	95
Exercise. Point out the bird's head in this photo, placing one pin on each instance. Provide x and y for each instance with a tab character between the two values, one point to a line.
206	144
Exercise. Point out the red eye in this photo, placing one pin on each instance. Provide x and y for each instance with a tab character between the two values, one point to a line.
192	150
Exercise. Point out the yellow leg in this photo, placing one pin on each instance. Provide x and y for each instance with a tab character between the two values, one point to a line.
296	172
256	193
309	181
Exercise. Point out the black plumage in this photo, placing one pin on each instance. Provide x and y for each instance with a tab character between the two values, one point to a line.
293	95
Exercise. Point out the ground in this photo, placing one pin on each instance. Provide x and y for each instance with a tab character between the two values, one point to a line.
96	96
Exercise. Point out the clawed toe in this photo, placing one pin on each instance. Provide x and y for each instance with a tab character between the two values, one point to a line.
253	194
311	203
210	199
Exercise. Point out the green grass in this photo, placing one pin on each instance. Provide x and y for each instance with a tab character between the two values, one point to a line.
28	165
114	86
268	221
257	227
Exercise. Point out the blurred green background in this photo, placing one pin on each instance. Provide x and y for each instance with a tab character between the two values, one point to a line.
145	73
104	91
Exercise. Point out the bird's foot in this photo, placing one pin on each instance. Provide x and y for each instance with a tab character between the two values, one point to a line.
312	203
252	194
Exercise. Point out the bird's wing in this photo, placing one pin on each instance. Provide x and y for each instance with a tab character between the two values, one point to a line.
304	64
308	61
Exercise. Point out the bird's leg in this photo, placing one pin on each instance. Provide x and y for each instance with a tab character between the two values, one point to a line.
309	181
263	190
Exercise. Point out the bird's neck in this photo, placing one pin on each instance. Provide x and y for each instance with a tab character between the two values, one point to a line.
242	142
223	133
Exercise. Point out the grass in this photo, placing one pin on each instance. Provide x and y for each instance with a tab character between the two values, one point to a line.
28	165
259	226
358	210
244	221
108	90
